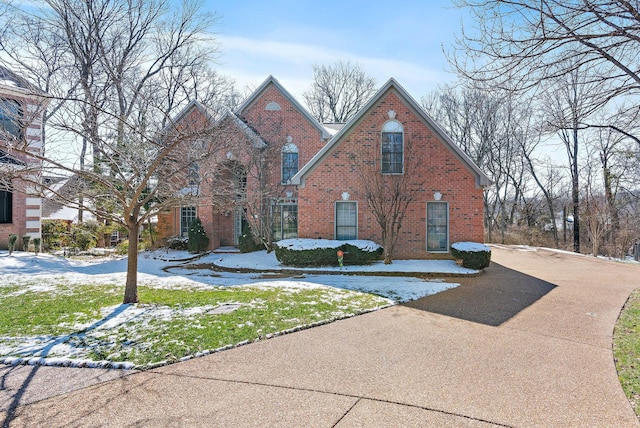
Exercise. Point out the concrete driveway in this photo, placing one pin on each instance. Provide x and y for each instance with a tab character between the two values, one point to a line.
528	343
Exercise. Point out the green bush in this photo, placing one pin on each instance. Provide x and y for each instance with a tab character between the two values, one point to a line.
55	234
25	242
177	243
123	247
12	242
473	255
84	236
198	241
325	253
247	243
36	245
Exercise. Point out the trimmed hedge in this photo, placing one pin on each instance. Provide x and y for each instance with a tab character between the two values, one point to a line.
473	255
325	254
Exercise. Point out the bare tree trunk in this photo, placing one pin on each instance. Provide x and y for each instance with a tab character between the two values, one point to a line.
131	285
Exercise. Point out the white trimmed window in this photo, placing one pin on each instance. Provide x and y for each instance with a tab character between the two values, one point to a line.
187	216
438	227
392	147
346	220
289	162
10	118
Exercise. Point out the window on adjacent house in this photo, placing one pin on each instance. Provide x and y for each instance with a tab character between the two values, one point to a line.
346	220
289	162
187	216
6	206
10	116
285	221
437	226
392	147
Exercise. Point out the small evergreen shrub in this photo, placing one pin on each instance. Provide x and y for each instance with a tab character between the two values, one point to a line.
36	245
25	242
177	243
473	255
123	247
55	234
84	236
323	252
198	240
13	238
247	242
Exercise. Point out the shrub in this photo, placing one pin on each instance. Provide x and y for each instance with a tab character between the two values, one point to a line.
198	241
25	242
55	234
84	236
473	255
247	243
123	247
177	243
12	242
36	245
323	252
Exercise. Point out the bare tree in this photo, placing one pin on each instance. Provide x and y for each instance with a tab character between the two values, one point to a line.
527	42
388	195
118	52
338	91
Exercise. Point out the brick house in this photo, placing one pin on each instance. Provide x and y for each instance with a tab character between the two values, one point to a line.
318	176
20	123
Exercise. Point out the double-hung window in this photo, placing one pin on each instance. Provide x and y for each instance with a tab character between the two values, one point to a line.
392	148
437	226
346	220
187	216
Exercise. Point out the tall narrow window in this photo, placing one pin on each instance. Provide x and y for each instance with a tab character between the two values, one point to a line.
437	226
289	162
187	216
10	118
346	220
392	147
6	206
285	220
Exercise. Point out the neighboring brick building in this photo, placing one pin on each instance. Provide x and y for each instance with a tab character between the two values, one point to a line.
20	123
317	177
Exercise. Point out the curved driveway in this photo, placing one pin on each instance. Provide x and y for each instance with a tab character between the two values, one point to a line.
527	343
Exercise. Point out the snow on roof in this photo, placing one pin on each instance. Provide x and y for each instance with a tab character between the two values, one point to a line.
333	128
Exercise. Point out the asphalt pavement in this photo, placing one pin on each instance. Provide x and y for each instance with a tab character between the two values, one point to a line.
526	343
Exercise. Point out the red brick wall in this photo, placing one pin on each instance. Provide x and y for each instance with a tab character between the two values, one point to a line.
32	114
276	125
437	167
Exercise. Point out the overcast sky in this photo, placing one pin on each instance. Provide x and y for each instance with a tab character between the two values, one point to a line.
403	39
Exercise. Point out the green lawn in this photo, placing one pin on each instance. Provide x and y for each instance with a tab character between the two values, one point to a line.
87	322
626	349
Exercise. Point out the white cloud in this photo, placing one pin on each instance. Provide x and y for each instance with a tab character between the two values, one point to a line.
250	61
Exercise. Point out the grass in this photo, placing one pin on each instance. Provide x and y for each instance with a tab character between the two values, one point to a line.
626	349
87	321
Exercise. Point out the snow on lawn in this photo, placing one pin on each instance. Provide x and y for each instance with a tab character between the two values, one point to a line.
28	273
260	260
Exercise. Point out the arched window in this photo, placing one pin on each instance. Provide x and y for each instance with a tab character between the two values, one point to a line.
392	147
10	118
289	162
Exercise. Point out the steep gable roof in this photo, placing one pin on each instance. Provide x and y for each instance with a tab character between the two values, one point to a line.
11	82
255	139
481	178
273	81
